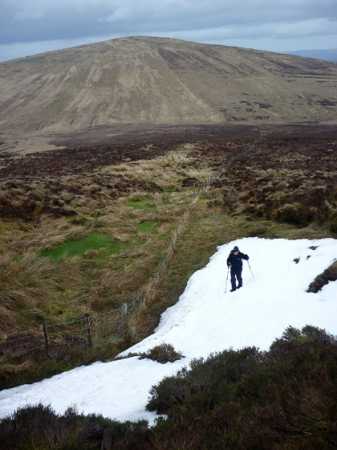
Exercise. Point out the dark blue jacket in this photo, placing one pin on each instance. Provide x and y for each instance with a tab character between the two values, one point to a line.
235	261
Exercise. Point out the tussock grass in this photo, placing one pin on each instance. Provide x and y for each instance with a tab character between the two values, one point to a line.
163	354
167	171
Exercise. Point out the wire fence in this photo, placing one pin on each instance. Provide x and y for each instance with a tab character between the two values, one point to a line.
55	338
147	292
48	337
86	331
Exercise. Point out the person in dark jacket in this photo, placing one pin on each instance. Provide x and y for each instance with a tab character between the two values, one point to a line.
234	261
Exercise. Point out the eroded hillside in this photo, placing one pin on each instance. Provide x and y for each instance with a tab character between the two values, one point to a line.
156	80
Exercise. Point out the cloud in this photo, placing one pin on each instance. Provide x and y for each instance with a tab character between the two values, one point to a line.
68	21
31	20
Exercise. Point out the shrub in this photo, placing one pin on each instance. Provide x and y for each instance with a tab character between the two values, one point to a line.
39	428
254	400
283	399
295	214
330	274
333	227
163	353
200	385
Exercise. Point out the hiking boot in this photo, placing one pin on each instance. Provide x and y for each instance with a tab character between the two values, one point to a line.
233	289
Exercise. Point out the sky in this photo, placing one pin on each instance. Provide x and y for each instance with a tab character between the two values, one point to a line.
33	26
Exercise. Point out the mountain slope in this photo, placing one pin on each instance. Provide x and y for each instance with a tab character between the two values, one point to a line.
205	320
164	81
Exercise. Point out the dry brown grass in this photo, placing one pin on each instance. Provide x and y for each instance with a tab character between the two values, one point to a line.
41	288
34	288
168	171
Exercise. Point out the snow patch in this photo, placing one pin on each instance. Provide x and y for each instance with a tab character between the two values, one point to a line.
205	320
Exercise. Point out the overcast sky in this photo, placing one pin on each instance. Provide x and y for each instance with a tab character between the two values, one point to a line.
33	26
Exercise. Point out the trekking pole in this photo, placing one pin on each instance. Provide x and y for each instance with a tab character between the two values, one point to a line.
251	271
227	280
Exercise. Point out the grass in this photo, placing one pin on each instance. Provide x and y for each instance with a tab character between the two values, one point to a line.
14	372
141	203
79	247
147	226
170	189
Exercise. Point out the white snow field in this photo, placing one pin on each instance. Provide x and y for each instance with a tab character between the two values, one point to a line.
205	320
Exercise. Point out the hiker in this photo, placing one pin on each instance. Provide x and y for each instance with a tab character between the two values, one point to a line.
234	261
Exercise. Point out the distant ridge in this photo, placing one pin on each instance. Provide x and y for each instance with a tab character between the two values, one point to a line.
161	80
327	55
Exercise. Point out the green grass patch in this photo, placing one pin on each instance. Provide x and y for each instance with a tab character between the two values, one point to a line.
148	226
78	247
170	189
142	203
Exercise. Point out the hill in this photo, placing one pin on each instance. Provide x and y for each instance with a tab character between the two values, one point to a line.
160	80
328	55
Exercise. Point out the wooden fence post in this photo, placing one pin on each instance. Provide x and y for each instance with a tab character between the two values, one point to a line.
124	309
88	330
45	334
